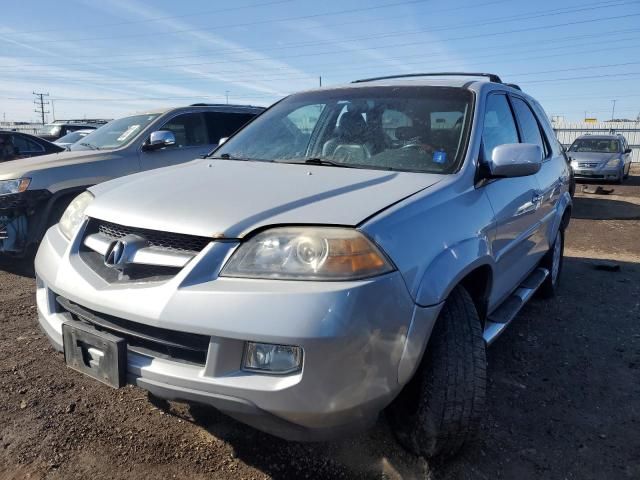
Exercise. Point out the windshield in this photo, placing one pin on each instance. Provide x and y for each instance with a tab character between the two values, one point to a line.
114	134
408	128
72	137
595	145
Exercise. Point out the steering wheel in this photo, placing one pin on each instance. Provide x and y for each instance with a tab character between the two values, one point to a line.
419	146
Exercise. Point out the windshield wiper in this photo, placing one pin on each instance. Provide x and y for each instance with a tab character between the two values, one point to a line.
89	145
331	163
228	156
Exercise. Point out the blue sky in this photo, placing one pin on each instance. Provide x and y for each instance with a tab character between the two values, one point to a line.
109	58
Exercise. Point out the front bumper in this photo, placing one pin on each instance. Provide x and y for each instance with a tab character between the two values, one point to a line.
362	340
597	173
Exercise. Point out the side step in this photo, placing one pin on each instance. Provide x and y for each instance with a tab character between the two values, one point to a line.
502	316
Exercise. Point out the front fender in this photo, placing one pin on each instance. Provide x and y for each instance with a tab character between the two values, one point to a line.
450	267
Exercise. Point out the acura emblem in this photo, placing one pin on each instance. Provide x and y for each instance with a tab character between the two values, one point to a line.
114	256
122	252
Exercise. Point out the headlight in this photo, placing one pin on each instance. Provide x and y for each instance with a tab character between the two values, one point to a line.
19	185
614	162
307	253
74	214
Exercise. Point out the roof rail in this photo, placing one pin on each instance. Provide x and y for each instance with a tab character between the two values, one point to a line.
223	105
491	76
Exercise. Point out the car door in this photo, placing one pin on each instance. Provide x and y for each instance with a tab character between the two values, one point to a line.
515	202
553	174
192	141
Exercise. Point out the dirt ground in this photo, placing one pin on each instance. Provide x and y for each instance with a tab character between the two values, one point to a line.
563	400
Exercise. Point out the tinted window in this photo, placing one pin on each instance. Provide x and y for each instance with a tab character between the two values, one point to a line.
25	145
222	125
529	128
189	130
409	128
499	125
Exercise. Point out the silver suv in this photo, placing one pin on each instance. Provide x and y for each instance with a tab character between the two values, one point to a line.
34	192
351	250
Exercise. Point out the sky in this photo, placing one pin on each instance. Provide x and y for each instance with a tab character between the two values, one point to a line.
106	59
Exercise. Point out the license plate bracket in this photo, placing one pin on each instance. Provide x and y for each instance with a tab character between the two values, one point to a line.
100	355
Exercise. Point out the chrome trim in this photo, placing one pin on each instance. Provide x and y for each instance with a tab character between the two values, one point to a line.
144	256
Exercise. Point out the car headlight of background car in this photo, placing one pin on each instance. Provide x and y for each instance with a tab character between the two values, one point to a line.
19	185
613	163
307	253
74	214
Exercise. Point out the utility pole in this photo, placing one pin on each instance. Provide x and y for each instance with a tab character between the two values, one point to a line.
40	103
613	110
320	78
53	111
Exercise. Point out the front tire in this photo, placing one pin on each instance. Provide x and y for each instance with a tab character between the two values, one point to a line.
440	409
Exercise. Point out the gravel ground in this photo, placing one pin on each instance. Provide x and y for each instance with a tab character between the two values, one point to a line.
563	400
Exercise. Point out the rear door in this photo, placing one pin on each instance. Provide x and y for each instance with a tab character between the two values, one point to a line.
515	202
192	141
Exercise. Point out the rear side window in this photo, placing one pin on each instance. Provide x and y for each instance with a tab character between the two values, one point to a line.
189	130
499	125
222	125
529	127
25	145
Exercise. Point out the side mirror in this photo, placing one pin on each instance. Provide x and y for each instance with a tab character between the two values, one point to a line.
222	140
160	139
628	150
515	160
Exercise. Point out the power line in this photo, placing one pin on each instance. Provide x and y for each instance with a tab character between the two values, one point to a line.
40	104
247	24
186	53
401	33
157	19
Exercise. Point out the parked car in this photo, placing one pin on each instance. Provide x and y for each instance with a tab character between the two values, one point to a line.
72	137
601	157
35	192
60	128
17	145
352	249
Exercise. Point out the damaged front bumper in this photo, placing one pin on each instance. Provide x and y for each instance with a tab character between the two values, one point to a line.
16	211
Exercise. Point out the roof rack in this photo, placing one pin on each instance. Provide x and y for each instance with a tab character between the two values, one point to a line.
491	76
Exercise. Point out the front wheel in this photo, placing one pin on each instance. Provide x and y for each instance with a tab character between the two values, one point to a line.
440	409
553	261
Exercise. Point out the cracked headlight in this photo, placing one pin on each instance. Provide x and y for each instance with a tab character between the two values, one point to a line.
74	214
19	185
307	253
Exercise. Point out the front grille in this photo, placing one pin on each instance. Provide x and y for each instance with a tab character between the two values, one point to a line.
152	341
587	165
167	240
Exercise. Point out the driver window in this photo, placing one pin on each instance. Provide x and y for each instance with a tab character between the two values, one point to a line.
189	130
499	125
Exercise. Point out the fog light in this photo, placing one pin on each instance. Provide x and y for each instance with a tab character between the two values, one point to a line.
269	358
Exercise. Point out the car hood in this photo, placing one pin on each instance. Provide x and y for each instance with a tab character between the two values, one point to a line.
24	167
226	198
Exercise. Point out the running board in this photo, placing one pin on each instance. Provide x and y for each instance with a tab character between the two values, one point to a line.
505	313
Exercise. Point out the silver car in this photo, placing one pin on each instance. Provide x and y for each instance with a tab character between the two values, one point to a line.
35	192
600	157
351	250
